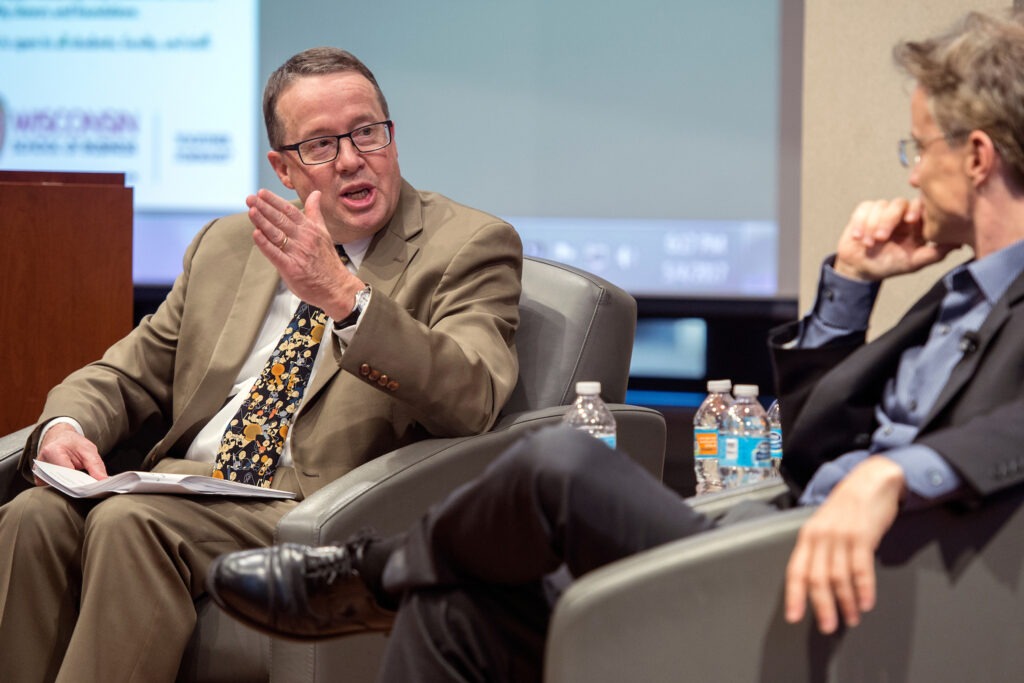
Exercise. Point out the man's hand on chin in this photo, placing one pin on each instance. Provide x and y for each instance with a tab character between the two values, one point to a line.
833	563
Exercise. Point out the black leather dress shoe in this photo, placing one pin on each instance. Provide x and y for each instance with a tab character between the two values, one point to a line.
297	591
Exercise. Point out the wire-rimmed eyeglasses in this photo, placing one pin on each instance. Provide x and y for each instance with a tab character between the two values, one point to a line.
911	149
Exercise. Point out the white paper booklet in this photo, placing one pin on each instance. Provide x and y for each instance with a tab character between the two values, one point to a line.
78	484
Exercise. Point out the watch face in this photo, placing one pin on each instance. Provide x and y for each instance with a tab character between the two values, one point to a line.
363	297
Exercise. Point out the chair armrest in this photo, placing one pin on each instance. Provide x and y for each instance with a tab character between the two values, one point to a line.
950	587
11	446
642	617
714	505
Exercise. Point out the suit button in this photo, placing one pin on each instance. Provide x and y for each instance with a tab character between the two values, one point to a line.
364	369
392	385
374	374
383	381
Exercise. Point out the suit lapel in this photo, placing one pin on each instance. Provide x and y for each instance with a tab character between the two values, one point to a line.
256	290
966	368
391	251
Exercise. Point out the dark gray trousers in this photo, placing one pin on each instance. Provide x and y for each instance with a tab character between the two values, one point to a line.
474	572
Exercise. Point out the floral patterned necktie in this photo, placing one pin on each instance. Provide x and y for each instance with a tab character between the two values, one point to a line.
255	437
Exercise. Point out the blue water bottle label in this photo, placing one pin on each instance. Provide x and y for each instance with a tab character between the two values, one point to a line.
747	451
608	440
775	439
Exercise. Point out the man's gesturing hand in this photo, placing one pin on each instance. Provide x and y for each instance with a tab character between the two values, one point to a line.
299	246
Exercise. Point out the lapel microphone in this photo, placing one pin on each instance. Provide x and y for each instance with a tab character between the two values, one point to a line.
969	342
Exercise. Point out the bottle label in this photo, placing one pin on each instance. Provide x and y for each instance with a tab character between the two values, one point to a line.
608	440
775	441
705	442
747	451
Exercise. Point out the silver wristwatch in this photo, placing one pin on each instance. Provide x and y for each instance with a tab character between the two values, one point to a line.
362	301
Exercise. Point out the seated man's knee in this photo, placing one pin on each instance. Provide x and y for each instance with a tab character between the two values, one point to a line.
39	511
115	516
554	452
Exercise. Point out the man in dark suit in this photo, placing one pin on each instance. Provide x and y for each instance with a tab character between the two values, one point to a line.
931	411
103	591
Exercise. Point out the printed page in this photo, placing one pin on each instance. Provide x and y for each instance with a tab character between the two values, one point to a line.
78	484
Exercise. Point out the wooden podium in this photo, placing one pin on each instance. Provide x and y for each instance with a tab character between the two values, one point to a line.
65	280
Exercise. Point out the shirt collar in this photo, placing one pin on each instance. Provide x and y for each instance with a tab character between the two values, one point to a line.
997	271
356	252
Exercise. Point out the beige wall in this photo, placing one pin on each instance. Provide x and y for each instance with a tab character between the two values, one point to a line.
855	108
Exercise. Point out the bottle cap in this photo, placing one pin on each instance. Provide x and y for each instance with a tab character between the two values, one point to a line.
745	390
588	388
719	386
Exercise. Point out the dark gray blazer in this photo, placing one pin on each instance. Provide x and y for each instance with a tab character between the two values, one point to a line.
977	423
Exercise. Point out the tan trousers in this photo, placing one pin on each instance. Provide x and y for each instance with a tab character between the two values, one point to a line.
103	591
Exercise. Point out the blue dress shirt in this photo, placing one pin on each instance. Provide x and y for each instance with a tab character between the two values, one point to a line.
843	307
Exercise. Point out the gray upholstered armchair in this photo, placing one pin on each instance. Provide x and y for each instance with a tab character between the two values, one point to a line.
950	607
574	326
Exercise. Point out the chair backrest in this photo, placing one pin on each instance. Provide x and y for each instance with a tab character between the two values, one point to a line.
573	326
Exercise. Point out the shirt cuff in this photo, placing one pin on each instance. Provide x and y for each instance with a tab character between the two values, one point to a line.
830	474
842	303
345	334
929	477
58	421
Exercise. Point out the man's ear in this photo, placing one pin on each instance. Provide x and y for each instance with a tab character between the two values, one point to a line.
981	157
280	166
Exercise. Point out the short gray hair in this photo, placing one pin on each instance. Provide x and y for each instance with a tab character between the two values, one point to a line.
974	78
317	61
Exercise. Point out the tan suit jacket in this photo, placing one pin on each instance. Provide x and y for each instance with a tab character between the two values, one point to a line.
433	353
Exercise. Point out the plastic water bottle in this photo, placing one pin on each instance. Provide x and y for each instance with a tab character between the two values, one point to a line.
747	458
775	436
707	443
590	414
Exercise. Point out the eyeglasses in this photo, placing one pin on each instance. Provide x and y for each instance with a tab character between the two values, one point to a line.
324	149
908	159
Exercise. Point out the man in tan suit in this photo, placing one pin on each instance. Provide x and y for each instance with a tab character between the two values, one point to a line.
421	311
